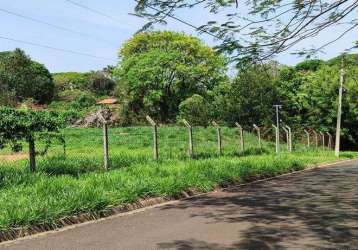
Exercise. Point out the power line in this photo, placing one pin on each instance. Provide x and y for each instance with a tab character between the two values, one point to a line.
53	25
149	6
94	11
54	48
184	22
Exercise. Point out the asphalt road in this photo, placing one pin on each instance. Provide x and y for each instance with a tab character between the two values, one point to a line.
307	210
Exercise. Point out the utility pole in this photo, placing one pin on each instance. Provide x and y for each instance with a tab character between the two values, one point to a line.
339	112
277	107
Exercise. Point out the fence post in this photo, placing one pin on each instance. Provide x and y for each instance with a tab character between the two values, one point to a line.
155	136
322	136
218	133
190	131
316	137
64	149
105	142
329	140
64	144
287	138
32	153
105	145
242	139
277	138
258	130
308	138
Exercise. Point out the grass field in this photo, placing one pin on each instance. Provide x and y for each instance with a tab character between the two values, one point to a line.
70	185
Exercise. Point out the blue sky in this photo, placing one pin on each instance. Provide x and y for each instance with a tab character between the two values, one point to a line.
108	34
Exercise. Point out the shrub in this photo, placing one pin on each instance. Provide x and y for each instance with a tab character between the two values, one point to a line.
100	83
18	125
195	110
83	101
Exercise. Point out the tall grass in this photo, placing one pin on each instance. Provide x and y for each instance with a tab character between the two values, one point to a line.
70	185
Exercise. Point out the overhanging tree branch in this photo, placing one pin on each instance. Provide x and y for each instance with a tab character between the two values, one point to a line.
276	26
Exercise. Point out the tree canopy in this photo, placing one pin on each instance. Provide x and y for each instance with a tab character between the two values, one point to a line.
22	78
249	97
17	125
159	70
311	98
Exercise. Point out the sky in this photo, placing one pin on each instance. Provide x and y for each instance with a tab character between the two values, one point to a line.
101	36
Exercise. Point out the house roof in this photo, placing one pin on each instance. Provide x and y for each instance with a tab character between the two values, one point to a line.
108	101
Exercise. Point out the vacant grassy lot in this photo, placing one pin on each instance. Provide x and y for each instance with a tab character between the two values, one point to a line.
70	185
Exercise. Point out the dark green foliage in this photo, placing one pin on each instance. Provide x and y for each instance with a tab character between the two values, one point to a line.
349	60
310	97
249	98
307	91
195	110
22	78
100	83
309	65
83	101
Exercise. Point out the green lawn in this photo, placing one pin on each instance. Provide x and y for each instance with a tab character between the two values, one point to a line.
75	184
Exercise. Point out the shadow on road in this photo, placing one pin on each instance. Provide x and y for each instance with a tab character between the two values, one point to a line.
315	209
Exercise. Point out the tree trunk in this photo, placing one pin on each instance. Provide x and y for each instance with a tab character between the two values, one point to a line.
32	154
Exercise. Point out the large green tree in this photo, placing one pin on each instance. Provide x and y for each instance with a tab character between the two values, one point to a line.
309	92
22	78
159	70
248	99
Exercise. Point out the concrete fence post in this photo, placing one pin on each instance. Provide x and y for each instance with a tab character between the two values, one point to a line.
64	145
105	142
105	146
329	140
242	139
289	138
315	137
155	137
323	142
277	139
190	133
32	153
308	138
218	133
258	130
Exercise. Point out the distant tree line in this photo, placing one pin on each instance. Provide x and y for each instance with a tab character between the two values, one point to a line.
171	76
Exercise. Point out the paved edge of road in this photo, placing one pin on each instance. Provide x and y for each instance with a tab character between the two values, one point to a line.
160	204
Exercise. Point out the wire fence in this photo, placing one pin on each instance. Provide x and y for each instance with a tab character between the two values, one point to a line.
123	146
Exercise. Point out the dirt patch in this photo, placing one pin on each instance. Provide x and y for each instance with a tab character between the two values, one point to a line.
94	120
13	157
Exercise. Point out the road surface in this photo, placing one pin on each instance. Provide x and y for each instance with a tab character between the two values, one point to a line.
312	209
